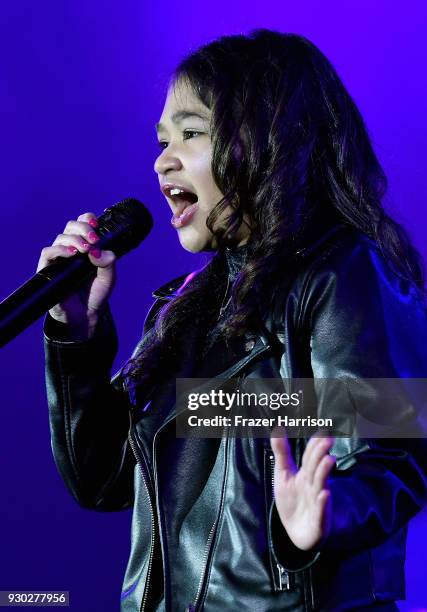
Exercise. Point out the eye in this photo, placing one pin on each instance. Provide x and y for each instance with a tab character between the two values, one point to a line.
187	134
190	133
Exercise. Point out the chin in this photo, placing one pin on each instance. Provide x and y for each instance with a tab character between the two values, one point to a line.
193	241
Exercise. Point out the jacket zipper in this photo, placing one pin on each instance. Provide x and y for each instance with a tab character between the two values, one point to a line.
283	576
153	522
193	607
204	564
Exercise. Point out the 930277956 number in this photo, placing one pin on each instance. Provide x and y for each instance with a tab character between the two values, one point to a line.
34	598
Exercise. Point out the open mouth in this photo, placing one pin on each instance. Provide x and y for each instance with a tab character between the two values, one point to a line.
182	199
185	203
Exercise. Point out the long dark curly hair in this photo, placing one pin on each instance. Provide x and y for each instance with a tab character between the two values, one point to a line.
289	144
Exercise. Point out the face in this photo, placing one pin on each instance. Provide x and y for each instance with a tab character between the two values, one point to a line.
184	169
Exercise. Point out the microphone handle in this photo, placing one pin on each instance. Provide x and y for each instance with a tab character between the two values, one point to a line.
42	291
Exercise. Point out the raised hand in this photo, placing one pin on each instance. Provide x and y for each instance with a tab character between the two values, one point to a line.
302	495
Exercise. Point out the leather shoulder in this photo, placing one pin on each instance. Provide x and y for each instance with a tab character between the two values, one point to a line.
172	287
353	275
347	266
351	254
164	293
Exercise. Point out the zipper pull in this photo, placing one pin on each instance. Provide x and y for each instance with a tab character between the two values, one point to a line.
283	578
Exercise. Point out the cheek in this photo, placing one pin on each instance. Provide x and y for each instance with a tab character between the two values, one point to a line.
207	190
202	166
203	170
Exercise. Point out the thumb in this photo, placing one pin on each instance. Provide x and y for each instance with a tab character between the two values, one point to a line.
101	259
104	261
284	461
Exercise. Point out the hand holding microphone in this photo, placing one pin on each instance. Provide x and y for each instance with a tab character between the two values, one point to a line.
75	276
80	310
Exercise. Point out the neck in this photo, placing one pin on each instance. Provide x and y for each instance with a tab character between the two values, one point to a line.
235	259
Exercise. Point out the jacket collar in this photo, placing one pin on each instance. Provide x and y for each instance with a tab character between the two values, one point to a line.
313	243
170	289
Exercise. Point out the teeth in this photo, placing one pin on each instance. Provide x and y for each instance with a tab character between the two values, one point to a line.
176	191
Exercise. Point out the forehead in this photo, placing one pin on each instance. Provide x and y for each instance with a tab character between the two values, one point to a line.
181	101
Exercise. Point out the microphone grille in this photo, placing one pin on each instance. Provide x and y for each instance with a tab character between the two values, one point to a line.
123	226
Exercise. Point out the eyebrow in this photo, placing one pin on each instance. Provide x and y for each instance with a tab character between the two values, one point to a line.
180	116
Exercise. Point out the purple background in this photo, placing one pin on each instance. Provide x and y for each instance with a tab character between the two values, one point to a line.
82	84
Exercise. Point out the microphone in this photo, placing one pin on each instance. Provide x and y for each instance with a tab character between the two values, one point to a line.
122	227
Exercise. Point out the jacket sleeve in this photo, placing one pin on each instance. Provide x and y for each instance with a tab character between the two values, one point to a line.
367	323
89	416
364	322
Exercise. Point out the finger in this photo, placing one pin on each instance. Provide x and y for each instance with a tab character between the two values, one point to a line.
81	228
322	500
72	240
315	450
310	448
322	472
101	258
280	446
315	453
90	218
49	254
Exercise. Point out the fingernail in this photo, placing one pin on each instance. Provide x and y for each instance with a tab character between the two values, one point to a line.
93	222
92	236
95	253
85	245
72	249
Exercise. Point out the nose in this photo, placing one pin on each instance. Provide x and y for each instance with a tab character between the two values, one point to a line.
167	161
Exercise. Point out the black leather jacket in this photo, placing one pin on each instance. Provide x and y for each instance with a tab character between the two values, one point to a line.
205	531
